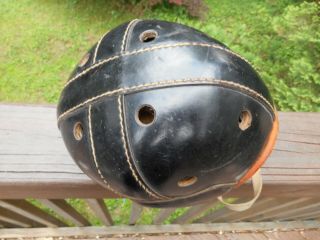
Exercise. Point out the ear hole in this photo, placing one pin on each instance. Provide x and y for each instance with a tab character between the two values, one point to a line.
245	119
146	115
78	131
84	60
148	36
187	181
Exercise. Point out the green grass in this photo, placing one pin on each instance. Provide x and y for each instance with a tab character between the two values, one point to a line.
41	42
120	211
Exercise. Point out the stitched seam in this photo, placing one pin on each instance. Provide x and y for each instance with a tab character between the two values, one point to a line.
134	52
90	68
97	47
126	33
213	187
167	84
127	152
94	155
129	34
96	162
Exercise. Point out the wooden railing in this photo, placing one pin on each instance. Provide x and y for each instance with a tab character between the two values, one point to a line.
34	164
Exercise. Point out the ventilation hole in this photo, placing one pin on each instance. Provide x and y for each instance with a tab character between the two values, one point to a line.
84	60
78	131
146	115
187	181
245	120
148	36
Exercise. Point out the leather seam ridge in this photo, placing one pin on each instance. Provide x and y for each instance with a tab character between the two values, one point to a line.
139	51
131	154
94	154
126	152
208	189
97	48
126	34
209	81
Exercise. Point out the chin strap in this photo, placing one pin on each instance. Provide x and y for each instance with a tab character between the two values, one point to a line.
257	187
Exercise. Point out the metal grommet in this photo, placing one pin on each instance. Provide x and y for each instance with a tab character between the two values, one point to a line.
145	115
78	131
187	181
148	36
245	119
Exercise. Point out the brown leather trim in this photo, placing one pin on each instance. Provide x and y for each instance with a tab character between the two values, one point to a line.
265	152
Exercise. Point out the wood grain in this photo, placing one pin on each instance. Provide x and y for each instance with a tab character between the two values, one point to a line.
34	161
30	211
62	208
100	210
194	212
163	215
136	211
270	228
286	208
6	224
17	219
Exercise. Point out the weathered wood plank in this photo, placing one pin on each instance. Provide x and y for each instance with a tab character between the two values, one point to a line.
163	215
244	236
217	214
27	210
315	216
292	235
47	171
260	205
272	205
312	216
58	188
11	221
303	211
100	210
136	211
13	218
194	212
8	214
281	209
159	229
62	208
7	224
310	235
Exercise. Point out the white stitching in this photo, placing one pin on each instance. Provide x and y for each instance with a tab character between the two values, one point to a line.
127	153
165	84
126	33
213	187
97	47
134	52
94	155
90	68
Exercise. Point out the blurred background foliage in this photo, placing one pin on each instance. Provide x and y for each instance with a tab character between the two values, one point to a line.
41	41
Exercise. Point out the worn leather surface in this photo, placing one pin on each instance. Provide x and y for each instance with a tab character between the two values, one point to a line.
197	88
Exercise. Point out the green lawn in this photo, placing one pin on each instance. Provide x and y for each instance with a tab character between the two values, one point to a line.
41	42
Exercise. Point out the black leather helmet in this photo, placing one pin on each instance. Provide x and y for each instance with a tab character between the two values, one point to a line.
165	115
